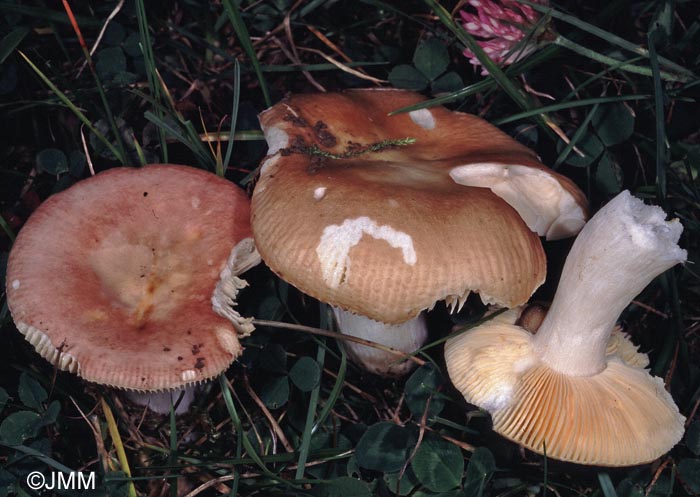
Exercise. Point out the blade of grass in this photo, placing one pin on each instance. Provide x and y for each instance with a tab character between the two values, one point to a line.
564	42
195	146
244	38
580	132
173	449
39	456
7	229
573	93
607	36
181	129
139	151
606	485
236	420
234	115
569	105
67	102
545	469
335	392
336	336
12	41
661	149
117	441
239	136
308	425
123	156
484	84
151	71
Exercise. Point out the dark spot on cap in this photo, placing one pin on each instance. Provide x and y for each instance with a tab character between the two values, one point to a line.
179	358
325	137
145	194
200	363
297	121
166	349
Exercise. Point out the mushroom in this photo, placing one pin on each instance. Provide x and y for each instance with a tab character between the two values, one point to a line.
114	278
383	216
577	389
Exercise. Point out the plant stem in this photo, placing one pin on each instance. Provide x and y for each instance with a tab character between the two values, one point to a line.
610	61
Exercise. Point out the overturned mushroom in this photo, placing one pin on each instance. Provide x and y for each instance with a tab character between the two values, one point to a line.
113	279
577	389
383	216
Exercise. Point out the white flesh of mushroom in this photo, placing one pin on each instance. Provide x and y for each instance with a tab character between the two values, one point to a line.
545	206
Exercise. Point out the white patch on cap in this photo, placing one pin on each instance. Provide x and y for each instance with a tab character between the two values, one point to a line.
423	118
545	206
15	284
188	375
276	138
337	240
319	192
195	202
268	163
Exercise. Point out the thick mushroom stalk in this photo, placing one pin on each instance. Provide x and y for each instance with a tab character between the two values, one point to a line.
616	255
406	337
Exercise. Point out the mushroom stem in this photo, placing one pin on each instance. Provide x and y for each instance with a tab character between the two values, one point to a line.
616	255
160	402
406	337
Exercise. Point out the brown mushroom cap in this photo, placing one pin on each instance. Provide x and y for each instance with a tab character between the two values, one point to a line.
113	278
386	231
620	417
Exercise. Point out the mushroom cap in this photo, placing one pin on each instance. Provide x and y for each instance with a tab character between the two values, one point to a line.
112	278
386	231
620	417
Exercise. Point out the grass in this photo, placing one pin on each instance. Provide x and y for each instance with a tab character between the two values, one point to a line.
612	103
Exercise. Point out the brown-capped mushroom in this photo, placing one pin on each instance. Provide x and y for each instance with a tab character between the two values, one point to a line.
383	216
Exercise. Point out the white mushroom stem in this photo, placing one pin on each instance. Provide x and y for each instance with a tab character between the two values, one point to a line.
616	255
406	337
160	402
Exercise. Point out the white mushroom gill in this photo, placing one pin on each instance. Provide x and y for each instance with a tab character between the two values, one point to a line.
244	256
337	239
42	344
406	337
619	251
545	206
